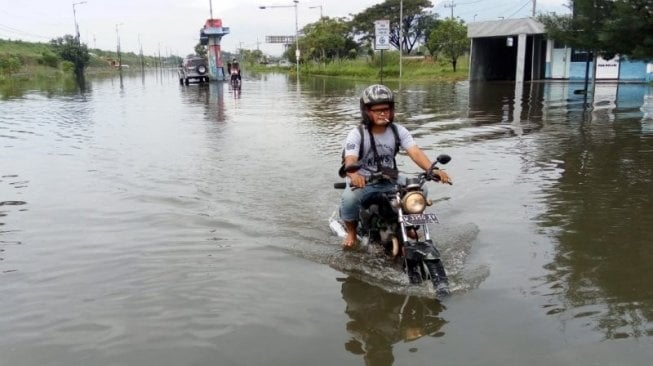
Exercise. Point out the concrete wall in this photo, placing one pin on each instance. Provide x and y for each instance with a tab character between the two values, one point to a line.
628	71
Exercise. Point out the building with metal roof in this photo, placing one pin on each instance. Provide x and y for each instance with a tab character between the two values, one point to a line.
518	50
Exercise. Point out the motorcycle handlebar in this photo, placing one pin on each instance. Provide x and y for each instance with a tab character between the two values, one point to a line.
343	185
435	178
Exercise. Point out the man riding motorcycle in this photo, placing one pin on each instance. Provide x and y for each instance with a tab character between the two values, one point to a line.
380	139
235	71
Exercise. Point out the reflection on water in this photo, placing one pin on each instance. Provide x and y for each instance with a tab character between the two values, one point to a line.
378	320
16	88
598	213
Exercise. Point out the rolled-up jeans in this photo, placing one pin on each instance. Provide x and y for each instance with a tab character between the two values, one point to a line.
351	199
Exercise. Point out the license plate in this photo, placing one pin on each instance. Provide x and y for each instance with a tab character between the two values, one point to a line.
419	219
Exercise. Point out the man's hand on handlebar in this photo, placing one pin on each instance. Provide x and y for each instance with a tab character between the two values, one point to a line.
356	180
441	176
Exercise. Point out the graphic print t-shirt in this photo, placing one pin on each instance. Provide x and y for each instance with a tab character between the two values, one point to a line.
385	146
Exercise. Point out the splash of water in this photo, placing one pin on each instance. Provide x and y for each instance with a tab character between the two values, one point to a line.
372	266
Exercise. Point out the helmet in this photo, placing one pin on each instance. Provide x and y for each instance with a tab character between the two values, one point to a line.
373	95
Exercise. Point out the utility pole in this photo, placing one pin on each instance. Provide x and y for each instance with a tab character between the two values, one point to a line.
297	53
401	35
452	5
118	52
75	18
140	46
315	7
118	45
534	4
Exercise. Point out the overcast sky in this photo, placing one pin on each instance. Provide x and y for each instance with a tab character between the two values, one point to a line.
173	26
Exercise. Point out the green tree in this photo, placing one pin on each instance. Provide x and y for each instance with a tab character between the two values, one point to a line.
252	57
70	49
327	39
413	27
607	27
201	50
289	53
450	38
429	23
629	29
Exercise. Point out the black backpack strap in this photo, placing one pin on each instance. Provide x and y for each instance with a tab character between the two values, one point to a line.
397	140
397	143
361	130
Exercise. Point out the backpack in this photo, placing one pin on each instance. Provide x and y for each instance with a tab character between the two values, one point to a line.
361	148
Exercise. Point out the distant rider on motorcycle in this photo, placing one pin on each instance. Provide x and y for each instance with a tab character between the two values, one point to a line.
235	71
377	107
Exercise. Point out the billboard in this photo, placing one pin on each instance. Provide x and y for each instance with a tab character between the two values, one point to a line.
280	39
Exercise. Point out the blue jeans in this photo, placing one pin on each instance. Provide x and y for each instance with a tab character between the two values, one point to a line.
350	201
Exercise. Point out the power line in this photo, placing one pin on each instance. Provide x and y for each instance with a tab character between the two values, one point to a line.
502	4
9	29
520	9
452	5
473	2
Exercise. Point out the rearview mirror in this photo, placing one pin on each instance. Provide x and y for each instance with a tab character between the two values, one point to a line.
443	158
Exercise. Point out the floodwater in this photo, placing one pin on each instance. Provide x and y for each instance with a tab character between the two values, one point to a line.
149	223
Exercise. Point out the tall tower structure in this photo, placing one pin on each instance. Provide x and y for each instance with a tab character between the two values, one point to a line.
210	36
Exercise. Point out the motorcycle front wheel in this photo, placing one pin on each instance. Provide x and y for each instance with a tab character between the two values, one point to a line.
438	276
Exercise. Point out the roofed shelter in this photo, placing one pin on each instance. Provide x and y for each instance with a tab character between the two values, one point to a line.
510	49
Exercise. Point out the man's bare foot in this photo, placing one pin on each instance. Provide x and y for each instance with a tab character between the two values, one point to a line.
349	242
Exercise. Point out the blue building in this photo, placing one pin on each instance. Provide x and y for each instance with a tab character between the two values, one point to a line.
518	50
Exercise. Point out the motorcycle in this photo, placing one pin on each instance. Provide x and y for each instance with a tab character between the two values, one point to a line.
235	82
396	221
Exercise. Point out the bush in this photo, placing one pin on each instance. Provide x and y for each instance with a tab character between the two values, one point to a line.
49	59
9	64
67	66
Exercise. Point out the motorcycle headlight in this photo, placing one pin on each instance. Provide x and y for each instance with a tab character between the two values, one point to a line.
413	203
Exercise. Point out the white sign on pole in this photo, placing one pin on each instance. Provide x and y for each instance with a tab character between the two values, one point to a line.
382	35
607	69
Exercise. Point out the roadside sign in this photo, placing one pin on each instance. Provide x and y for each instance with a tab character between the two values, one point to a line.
382	35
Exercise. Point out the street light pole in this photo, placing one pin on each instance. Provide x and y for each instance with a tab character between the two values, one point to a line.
118	51
75	18
297	53
317	6
401	35
118	43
